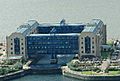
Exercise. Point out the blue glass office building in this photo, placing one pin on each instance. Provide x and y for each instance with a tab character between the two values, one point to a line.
58	40
33	39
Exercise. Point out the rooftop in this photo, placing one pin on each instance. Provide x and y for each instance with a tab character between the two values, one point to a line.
89	28
61	28
21	30
58	24
93	25
27	26
67	34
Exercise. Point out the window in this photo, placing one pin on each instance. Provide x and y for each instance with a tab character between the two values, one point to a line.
21	43
82	47
92	37
11	43
48	42
93	47
22	48
29	47
93	51
92	42
81	37
66	42
11	52
48	38
22	52
29	42
81	42
87	44
11	48
17	46
81	51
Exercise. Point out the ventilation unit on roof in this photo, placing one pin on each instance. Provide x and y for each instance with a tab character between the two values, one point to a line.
62	22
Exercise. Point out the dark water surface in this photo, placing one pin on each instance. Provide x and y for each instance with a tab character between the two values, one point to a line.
50	77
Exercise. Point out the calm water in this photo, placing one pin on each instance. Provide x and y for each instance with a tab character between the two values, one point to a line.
56	77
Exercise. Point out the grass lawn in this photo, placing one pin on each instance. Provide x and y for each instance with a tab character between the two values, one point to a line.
113	72
94	73
88	72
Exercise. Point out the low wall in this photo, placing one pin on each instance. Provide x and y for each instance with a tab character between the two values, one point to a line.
13	75
90	77
93	78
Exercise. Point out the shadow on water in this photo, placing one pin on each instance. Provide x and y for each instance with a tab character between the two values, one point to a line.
46	77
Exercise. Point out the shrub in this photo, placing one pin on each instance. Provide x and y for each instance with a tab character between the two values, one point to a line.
97	71
113	69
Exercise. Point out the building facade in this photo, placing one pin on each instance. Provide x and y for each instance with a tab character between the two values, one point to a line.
32	39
